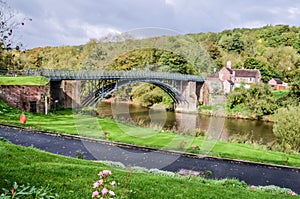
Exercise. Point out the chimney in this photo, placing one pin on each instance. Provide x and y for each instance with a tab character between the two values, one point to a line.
228	64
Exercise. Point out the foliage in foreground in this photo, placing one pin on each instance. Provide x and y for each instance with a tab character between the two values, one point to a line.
287	128
27	192
74	178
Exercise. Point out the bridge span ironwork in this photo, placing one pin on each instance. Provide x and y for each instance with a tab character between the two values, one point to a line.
57	75
99	84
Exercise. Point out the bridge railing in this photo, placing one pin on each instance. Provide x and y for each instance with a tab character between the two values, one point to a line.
111	74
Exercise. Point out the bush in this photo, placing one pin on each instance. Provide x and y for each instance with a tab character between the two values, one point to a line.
287	128
258	99
27	192
276	190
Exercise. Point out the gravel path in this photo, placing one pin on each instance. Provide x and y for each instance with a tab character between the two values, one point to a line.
253	174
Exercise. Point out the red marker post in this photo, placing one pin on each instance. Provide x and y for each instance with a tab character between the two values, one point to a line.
23	118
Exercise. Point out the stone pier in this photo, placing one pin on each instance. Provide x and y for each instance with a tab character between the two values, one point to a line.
191	92
65	93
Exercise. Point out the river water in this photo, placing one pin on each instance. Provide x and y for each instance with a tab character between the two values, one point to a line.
184	122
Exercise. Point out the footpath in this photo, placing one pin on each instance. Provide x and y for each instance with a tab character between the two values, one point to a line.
92	149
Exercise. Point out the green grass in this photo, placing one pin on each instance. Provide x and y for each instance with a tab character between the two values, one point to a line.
66	122
209	108
280	93
24	81
73	178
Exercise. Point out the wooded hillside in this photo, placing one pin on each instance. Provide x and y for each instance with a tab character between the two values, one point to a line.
275	50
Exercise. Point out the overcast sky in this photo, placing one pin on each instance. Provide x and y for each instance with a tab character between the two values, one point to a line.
75	22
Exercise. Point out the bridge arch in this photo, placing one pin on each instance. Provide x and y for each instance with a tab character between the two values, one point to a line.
94	98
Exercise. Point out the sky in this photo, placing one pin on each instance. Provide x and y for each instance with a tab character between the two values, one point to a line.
75	22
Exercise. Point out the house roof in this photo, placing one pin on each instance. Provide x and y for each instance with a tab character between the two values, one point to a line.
245	72
278	81
230	82
229	69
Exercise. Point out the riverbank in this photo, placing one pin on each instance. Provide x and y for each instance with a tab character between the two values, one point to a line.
65	121
234	114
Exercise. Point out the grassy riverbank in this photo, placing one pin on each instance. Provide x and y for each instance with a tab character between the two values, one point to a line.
74	178
66	121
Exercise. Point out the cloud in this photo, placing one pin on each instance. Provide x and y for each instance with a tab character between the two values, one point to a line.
70	22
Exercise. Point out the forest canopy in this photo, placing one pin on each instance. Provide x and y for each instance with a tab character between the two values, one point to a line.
275	50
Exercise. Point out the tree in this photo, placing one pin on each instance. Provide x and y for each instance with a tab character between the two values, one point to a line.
213	50
236	97
232	43
266	72
258	99
287	128
284	60
8	23
295	87
96	59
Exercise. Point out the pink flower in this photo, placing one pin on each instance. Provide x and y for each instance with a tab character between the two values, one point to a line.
104	191
292	193
111	193
106	172
100	182
95	194
113	183
96	185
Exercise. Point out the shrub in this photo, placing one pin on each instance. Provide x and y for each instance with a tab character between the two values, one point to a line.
200	132
276	190
287	128
27	192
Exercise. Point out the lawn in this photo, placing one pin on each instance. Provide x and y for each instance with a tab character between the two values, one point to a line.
74	178
65	121
24	81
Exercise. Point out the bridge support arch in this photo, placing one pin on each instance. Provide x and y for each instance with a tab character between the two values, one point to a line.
66	93
191	93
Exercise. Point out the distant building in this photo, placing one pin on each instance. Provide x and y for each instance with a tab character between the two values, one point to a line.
277	84
232	78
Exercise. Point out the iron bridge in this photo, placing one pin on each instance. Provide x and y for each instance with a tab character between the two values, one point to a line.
99	84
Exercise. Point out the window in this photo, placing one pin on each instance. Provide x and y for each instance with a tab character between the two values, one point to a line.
33	106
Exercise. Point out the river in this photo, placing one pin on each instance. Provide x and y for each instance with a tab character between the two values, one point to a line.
184	122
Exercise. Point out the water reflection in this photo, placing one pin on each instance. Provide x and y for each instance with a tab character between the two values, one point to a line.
186	123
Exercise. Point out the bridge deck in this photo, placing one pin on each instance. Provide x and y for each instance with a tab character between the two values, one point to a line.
57	75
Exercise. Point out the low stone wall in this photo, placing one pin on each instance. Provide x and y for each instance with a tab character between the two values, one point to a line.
26	98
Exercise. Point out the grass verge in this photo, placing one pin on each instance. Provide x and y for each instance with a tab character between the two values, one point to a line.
73	178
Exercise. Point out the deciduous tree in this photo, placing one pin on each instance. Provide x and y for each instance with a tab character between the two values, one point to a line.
287	128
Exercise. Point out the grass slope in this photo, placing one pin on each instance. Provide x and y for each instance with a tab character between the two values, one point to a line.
24	81
73	178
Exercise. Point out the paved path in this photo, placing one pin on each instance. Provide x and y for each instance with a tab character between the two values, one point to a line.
250	173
